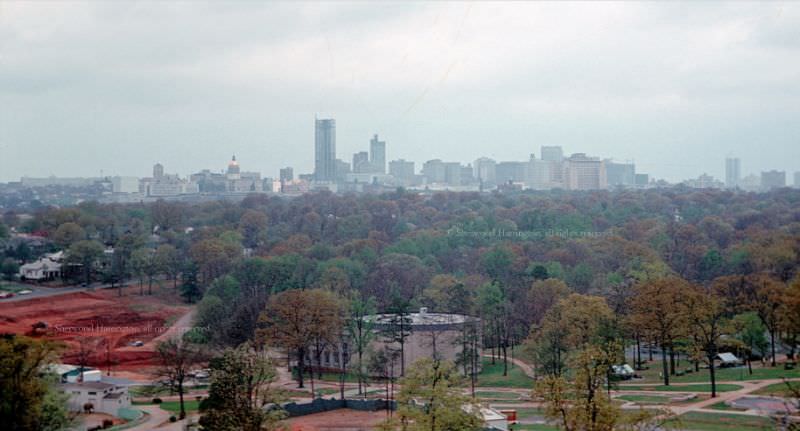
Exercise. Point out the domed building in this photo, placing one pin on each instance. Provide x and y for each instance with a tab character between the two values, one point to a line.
233	169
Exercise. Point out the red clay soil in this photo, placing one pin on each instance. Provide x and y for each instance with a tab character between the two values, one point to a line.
101	318
338	420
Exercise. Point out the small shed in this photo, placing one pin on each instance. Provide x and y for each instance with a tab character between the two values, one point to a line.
728	359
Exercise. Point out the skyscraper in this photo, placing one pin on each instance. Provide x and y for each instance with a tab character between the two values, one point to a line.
402	170
485	171
797	180
552	153
325	150
377	155
555	156
158	170
287	174
585	173
733	173
773	179
361	163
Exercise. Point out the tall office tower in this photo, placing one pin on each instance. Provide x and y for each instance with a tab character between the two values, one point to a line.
773	179
485	171
620	174
555	155
585	173
434	171
733	172
538	174
552	153
325	150
158	170
452	173
377	155
361	163
797	180
402	170
287	174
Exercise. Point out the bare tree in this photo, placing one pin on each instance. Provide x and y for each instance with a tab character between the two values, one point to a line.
176	359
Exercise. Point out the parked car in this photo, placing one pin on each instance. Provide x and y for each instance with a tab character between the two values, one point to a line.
4	295
137	343
25	292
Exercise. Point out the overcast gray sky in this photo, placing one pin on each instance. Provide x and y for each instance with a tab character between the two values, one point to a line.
120	85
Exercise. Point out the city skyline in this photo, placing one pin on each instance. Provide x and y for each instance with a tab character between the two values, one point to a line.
684	90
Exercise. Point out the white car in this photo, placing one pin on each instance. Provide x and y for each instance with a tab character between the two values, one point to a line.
25	292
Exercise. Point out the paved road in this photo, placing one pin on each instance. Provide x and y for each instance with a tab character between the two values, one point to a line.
42	292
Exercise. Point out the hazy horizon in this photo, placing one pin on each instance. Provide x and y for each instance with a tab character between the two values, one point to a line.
117	87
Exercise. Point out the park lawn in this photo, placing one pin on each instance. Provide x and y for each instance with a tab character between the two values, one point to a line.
776	390
492	376
698	421
495	395
326	377
645	399
723	374
175	406
526	412
723	406
700	387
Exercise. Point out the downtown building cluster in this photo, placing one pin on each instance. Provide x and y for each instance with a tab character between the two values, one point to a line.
552	170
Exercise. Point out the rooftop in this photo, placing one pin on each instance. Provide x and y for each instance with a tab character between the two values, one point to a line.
423	317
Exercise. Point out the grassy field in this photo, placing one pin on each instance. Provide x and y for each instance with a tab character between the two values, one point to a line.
645	399
776	390
492	376
696	421
493	395
722	406
721	387
175	407
723	374
10	286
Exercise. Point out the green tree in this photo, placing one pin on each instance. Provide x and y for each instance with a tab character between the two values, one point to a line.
67	234
29	400
9	268
750	332
437	386
168	261
175	359
190	288
86	254
241	396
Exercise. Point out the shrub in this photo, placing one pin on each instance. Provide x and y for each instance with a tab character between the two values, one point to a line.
156	400
173	418
107	423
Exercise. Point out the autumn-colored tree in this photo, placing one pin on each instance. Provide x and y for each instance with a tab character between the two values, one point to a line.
446	294
581	404
708	324
790	319
293	319
657	309
542	295
571	325
253	226
213	257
